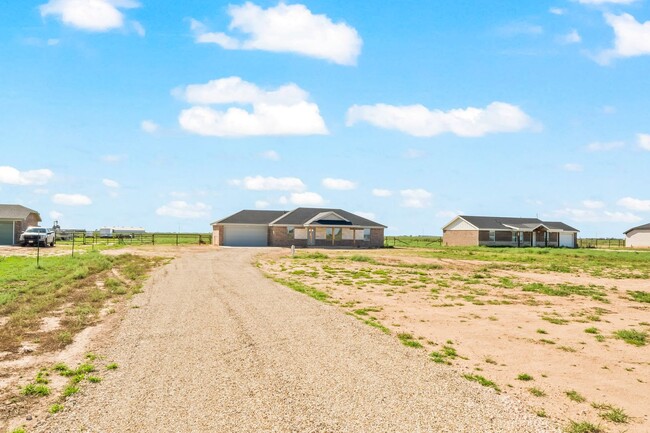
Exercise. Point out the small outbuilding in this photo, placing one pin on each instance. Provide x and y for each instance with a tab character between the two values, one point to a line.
14	219
465	230
302	227
638	237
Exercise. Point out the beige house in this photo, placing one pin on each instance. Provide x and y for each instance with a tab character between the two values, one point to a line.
14	219
638	237
465	230
302	227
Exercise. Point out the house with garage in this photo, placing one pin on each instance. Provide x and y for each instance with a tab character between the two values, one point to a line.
302	227
465	230
638	237
14	219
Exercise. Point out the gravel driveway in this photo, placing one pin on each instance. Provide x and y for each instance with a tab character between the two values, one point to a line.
216	347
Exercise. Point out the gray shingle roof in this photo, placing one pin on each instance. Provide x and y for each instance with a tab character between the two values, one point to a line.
16	212
302	215
252	217
643	227
501	223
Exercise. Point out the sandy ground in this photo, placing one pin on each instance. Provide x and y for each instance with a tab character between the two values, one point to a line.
497	329
212	345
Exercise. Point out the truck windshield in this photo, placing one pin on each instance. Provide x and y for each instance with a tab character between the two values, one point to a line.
36	230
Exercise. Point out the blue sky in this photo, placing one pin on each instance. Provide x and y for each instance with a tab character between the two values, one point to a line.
170	115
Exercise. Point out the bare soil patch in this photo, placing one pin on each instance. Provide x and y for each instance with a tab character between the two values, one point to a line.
556	330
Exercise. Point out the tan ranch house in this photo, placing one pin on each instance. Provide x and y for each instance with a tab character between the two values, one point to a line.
465	230
638	237
14	219
302	227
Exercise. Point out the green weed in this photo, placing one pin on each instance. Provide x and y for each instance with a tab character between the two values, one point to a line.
482	381
632	336
575	396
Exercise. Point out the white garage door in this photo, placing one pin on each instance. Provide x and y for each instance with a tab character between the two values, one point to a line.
6	233
566	240
246	236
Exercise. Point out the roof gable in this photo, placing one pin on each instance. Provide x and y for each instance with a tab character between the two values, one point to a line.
312	216
253	217
643	227
512	223
16	212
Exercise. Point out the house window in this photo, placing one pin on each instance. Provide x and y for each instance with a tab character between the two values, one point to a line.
338	234
291	232
366	235
514	237
328	233
492	235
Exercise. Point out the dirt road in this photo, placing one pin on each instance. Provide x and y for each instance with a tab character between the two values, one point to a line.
214	346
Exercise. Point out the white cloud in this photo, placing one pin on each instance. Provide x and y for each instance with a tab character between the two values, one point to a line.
644	141
573	37
283	200
598	146
378	192
414	154
262	204
183	209
367	215
260	183
13	176
419	121
338	184
416	198
111	159
72	199
632	38
557	11
149	126
571	166
591	215
234	90
284	111
593	204
55	215
634	204
271	155
306	199
110	183
286	28
91	15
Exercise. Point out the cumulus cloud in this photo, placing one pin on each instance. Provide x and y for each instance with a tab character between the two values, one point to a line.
271	155
593	204
261	183
378	192
283	111
13	176
596	216
571	166
306	199
631	39
644	141
261	204
338	184
90	15
573	37
416	198
420	121
598	146
149	126
72	199
286	28
634	204
183	209
110	183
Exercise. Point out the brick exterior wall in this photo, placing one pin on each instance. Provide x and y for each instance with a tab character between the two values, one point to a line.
459	238
376	238
279	237
217	235
20	226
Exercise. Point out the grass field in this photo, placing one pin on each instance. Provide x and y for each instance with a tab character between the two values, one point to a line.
67	291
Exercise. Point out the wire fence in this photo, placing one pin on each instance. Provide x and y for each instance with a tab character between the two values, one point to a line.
436	242
138	239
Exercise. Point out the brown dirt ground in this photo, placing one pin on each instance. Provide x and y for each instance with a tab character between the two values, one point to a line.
495	328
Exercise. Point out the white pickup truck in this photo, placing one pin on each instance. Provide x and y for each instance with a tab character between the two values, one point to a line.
37	236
